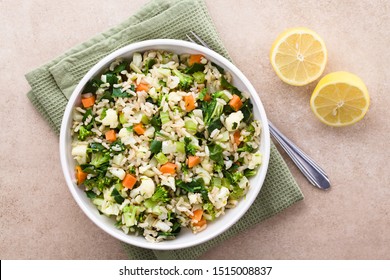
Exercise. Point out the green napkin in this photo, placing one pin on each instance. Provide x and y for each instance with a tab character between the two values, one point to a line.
53	83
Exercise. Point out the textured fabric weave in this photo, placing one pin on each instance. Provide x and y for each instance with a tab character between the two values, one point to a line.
53	83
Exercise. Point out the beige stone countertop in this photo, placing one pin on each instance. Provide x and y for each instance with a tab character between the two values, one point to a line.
39	218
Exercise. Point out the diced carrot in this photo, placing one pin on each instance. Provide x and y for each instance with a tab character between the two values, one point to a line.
168	168
142	87
189	102
236	136
200	223
193	160
235	103
197	216
81	176
111	135
129	181
194	58
207	97
139	129
88	101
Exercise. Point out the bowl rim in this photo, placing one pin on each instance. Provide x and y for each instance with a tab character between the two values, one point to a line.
150	44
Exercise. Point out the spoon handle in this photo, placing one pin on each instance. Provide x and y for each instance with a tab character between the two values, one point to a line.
314	173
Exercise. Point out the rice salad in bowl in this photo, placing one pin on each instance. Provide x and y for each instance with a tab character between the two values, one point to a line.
163	142
163	115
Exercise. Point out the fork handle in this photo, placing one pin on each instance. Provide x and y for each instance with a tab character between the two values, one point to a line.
315	174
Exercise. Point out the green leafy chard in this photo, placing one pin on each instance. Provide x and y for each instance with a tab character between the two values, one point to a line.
196	67
186	81
226	85
216	154
195	186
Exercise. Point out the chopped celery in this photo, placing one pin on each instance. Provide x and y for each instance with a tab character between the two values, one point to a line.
164	117
122	118
180	147
144	119
222	95
149	173
161	158
217	182
164	71
98	201
118	186
190	126
135	68
137	59
225	183
225	136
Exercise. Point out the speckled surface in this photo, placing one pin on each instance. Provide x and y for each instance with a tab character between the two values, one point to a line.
40	220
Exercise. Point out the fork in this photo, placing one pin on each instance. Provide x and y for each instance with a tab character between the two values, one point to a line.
312	171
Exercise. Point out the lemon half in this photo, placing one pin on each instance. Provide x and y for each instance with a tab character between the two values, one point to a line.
298	56
340	99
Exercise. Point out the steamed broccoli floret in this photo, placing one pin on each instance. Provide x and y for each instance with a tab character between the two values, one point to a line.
234	178
99	182
99	159
161	195
246	148
236	192
250	173
130	215
185	80
189	147
84	133
209	208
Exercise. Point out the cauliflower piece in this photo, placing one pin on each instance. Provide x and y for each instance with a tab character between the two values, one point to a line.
219	197
232	122
117	172
146	189
207	165
123	133
168	147
195	198
117	159
149	132
126	136
243	183
111	118
174	97
173	82
160	225
152	93
204	174
79	152
169	182
110	208
198	113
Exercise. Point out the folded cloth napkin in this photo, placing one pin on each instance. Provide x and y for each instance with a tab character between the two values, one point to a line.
53	83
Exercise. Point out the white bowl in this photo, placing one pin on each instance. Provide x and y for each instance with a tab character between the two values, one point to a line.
186	238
